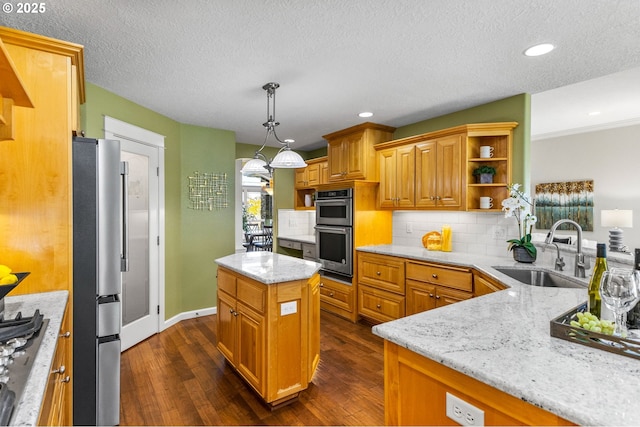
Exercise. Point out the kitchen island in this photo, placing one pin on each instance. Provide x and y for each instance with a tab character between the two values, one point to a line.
502	341
52	306
268	322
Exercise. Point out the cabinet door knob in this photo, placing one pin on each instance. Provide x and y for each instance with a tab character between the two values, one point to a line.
322	284
330	294
231	310
438	297
60	370
65	335
378	273
434	275
378	306
235	313
65	379
430	295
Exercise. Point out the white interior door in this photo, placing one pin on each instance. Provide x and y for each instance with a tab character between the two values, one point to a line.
141	285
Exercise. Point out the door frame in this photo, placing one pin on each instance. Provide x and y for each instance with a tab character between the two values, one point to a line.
143	136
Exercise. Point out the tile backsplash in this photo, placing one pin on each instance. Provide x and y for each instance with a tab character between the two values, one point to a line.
478	232
296	223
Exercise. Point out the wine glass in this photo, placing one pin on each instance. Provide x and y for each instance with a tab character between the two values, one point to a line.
620	291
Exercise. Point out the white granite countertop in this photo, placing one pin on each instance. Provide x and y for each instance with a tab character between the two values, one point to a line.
503	340
52	306
303	238
269	267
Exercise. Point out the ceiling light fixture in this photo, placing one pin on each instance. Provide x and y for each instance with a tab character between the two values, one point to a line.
539	49
285	158
365	114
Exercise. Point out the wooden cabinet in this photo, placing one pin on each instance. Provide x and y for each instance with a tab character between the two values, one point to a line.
381	287
431	286
439	177
422	173
415	390
269	333
483	285
56	407
498	136
397	177
38	216
12	93
338	297
350	151
307	179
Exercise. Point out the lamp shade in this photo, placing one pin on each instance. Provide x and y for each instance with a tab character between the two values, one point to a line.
616	218
254	167
287	159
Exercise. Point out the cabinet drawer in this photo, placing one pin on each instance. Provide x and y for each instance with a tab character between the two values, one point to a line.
226	282
379	305
446	296
252	294
309	251
382	272
285	243
458	278
342	298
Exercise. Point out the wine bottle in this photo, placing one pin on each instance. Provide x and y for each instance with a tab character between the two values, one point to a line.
633	316
595	303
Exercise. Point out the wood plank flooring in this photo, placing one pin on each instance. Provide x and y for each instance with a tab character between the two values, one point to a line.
178	377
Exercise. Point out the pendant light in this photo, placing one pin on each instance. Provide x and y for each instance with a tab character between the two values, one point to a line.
286	158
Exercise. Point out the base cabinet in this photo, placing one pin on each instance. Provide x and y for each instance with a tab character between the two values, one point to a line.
270	333
56	405
415	390
338	298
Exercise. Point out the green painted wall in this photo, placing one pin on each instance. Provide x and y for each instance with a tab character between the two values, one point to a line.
513	109
193	238
206	235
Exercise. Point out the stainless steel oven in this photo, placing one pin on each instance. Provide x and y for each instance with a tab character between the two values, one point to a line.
334	239
334	207
334	249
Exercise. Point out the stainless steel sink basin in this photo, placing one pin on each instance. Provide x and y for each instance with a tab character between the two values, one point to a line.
534	277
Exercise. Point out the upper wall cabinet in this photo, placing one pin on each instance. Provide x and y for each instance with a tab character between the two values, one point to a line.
435	170
12	93
307	178
350	151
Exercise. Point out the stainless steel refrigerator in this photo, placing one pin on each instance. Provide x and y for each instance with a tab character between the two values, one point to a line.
99	256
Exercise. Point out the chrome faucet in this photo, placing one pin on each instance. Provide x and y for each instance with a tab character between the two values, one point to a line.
579	270
559	264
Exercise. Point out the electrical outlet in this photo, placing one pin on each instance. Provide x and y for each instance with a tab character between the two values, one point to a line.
463	412
499	233
409	227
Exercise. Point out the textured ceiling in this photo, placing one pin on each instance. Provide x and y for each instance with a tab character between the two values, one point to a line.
204	62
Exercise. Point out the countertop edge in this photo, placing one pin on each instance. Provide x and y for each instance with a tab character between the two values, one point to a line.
268	267
52	305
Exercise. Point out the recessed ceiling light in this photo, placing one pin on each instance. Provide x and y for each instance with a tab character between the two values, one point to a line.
539	49
365	114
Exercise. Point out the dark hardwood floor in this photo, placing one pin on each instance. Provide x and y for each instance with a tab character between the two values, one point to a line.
178	377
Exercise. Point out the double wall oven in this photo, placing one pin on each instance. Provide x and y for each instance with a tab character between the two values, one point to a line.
334	231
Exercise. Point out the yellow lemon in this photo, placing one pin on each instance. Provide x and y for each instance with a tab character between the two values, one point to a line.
9	279
4	270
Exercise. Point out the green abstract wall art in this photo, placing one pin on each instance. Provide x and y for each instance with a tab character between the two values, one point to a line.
564	200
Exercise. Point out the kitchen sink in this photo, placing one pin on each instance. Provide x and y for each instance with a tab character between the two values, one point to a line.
536	277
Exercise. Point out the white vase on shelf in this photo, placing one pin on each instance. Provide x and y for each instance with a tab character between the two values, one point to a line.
307	200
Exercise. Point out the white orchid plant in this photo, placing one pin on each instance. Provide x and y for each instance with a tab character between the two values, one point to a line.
519	205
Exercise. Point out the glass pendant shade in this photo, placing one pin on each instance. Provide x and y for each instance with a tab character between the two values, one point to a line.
254	167
287	159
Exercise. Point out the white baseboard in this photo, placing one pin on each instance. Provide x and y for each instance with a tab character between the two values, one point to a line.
189	315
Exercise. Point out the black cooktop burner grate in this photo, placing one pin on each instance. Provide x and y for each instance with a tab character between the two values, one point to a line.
20	327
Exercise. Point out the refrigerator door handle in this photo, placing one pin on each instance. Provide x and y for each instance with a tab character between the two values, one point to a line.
124	259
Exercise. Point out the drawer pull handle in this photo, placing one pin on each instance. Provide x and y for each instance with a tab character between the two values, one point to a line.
378	273
322	284
331	294
434	275
60	370
65	379
65	335
378	306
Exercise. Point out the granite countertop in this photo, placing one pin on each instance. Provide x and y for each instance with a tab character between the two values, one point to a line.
52	305
503	340
303	238
269	267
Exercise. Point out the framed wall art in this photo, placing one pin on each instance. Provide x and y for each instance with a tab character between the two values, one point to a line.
564	200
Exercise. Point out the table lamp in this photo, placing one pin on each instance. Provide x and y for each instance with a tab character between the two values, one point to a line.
616	218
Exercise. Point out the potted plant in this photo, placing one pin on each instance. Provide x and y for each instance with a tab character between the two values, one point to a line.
518	205
484	174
